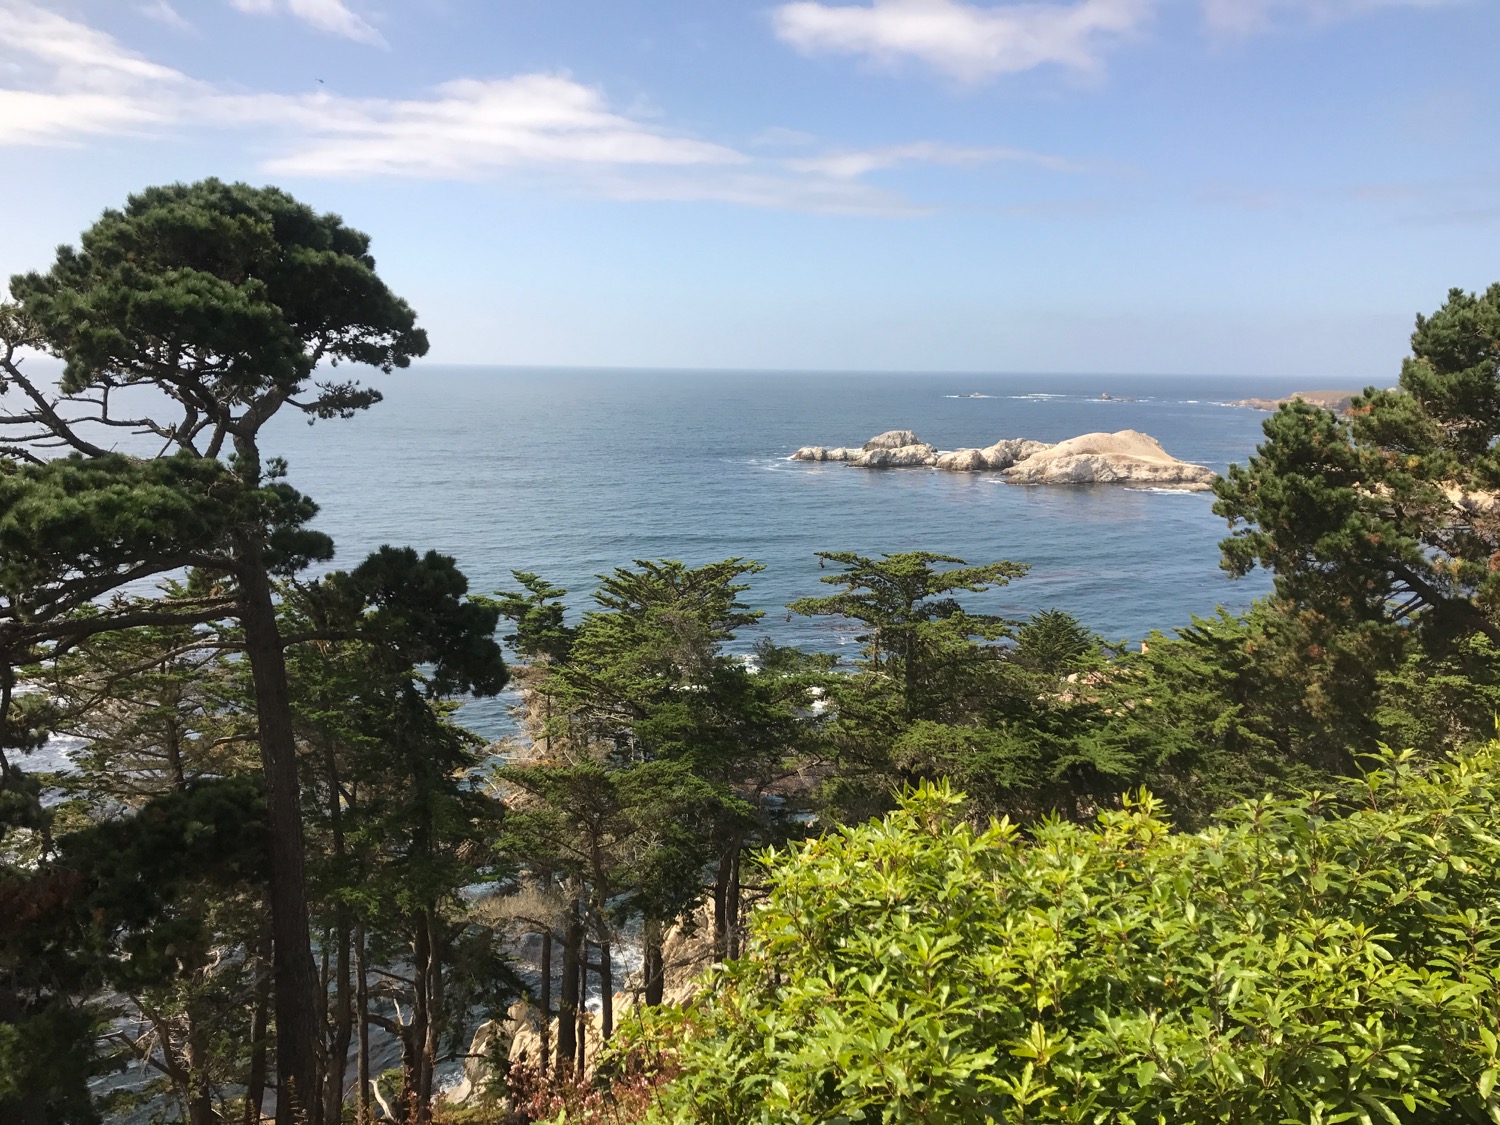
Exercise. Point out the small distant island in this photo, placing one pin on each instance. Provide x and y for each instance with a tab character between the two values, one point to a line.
1337	401
1123	457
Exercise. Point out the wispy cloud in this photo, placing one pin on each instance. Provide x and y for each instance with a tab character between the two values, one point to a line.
473	126
968	42
73	82
162	12
854	163
1240	17
332	16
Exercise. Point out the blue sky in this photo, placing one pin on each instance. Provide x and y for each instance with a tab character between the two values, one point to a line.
1125	186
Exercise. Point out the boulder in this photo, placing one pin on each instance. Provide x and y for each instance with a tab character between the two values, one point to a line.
893	439
1125	457
897	457
963	461
819	453
1008	451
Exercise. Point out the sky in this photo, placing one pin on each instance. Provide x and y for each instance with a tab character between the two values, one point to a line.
1249	187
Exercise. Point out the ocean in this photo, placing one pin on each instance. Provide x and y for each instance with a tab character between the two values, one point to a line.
571	473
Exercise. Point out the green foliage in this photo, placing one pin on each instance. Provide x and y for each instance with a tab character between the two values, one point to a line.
1052	642
257	286
1326	959
1384	517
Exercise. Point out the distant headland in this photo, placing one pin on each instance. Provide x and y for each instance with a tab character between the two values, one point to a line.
1337	401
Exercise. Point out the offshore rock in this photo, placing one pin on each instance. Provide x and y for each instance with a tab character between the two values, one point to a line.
909	456
818	453
1124	457
893	439
963	461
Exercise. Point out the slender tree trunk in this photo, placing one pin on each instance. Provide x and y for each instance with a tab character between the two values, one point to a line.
732	900
606	993
343	1023
200	1102
582	1034
362	1011
295	977
426	1019
725	897
433	1038
546	1059
567	1008
343	1002
652	968
260	1021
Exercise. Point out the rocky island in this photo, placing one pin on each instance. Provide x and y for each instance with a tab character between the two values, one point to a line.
1124	457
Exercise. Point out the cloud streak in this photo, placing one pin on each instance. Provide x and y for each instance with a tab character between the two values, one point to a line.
967	42
331	16
76	83
1242	17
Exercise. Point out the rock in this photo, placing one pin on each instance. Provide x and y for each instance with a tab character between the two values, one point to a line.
897	457
893	439
687	953
494	1040
1006	452
963	461
819	453
1125	457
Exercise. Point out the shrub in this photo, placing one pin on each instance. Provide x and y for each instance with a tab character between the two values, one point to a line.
1325	960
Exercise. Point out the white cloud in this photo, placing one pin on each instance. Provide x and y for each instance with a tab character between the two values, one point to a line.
162	12
332	16
1240	17
77	56
67	82
851	164
968	42
473	126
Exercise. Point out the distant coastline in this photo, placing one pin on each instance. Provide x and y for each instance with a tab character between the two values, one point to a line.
1337	401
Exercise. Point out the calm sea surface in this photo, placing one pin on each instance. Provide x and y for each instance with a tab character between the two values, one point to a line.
571	473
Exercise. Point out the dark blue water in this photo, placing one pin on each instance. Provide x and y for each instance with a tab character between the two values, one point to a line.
572	473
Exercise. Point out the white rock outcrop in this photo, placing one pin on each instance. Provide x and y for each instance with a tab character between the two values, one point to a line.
1124	457
910	456
819	453
893	439
963	461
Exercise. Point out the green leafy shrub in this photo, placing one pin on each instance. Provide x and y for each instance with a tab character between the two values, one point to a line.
1326	960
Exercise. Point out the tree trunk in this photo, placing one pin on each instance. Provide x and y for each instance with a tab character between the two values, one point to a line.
606	993
418	1083
567	1008
545	1062
582	1034
342	1022
362	1011
295	977
200	1101
652	967
732	900
260	1020
726	897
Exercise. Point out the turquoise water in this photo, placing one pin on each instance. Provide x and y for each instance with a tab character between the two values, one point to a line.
571	473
